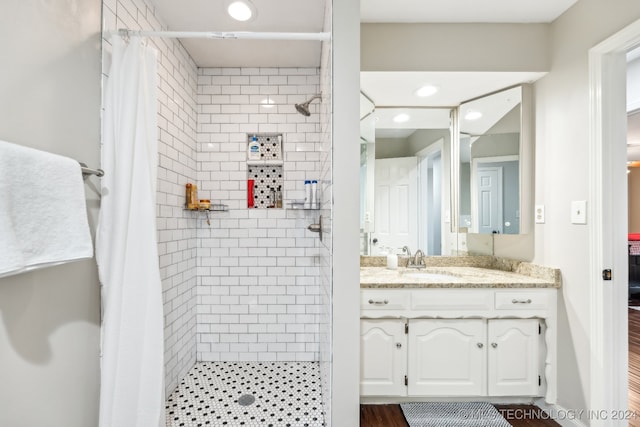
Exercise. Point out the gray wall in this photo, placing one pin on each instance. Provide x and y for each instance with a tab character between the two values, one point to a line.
455	47
49	319
562	135
387	148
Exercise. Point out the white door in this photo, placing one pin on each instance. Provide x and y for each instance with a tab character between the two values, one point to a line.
383	357
513	360
396	210
447	357
489	200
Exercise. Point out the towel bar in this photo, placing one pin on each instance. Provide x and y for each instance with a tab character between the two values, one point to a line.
87	171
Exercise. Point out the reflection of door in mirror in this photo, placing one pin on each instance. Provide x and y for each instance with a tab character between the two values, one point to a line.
396	194
489	203
410	208
490	144
497	184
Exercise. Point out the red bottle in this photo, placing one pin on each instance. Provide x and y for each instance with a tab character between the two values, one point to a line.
250	193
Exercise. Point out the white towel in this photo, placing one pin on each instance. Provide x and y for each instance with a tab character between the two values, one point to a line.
43	216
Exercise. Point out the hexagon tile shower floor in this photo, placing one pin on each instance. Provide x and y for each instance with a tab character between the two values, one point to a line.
248	394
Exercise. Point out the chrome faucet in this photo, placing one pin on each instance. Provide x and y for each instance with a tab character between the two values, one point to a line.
417	261
407	251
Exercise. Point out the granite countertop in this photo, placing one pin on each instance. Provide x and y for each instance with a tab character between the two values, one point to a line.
489	273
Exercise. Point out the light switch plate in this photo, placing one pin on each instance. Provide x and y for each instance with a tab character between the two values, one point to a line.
539	214
579	212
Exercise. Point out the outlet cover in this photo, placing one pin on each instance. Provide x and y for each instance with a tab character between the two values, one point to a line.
579	212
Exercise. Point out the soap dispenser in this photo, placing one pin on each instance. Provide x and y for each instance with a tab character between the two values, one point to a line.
392	260
253	152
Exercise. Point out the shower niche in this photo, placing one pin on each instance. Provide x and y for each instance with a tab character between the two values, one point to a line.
265	182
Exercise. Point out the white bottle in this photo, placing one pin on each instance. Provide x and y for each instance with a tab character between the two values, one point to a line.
307	192
392	260
253	152
314	194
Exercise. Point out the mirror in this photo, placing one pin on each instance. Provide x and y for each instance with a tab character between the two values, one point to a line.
405	169
367	165
494	163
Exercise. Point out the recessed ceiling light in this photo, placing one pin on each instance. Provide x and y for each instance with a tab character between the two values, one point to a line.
473	115
401	118
241	10
425	91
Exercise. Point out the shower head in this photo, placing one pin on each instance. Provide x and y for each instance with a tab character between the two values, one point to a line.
304	108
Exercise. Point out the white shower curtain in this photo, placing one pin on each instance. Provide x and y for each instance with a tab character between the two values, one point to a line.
132	364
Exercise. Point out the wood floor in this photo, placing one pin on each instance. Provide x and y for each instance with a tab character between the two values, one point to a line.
634	366
391	416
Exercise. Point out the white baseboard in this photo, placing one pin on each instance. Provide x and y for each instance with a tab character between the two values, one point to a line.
564	417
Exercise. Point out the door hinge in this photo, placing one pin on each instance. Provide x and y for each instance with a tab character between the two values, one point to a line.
539	380
406	380
406	328
606	274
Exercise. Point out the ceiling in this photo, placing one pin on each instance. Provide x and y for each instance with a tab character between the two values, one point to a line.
304	16
309	16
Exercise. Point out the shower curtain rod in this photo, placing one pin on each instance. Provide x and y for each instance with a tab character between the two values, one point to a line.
224	35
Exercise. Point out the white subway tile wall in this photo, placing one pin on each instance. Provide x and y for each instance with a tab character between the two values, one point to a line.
177	117
256	273
258	290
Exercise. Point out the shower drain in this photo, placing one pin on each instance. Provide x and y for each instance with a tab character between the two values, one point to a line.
246	399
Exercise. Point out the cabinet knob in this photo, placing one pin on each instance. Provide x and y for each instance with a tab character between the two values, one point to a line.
398	345
494	345
521	301
385	302
480	345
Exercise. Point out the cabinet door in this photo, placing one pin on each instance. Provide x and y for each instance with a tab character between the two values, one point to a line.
513	367
447	357
383	357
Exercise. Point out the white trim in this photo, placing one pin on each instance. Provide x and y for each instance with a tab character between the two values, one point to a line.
564	417
608	332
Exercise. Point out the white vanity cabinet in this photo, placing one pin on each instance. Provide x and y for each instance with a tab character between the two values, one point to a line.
446	357
514	365
383	374
458	342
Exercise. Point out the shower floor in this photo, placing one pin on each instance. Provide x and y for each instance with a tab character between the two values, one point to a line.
220	394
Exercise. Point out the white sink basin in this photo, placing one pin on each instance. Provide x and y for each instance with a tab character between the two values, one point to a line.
432	277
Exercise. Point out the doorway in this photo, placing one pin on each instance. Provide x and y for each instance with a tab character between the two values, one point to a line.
608	245
430	196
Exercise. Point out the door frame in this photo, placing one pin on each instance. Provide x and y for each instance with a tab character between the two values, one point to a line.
607	230
427	154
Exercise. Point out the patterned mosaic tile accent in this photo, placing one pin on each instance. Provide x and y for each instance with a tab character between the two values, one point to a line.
269	394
